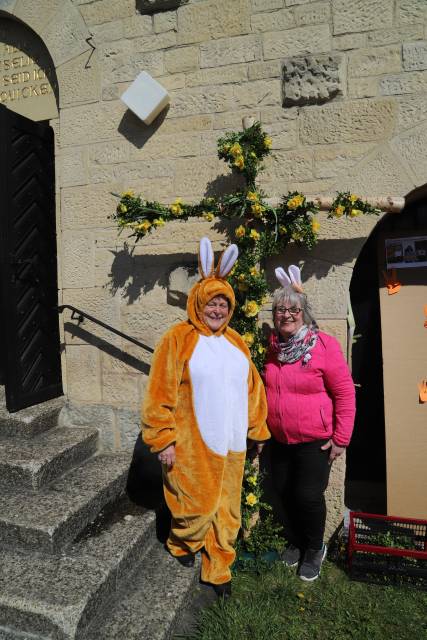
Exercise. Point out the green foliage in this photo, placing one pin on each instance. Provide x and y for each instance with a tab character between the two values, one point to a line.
350	205
276	605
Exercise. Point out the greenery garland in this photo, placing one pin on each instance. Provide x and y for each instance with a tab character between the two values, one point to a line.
261	231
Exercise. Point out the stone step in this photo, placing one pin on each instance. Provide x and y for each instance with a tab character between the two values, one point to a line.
151	604
56	597
33	463
48	520
28	422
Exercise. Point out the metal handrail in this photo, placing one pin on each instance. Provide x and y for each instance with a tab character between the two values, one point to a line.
78	314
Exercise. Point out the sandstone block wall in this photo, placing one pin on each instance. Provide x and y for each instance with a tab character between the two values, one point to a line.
341	86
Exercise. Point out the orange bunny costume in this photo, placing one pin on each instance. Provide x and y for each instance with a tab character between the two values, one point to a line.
205	395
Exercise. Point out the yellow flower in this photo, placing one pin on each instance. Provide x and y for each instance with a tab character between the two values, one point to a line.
241	277
226	148
315	225
296	236
252	196
254	235
240	231
355	212
253	271
251	308
268	142
122	208
236	149
353	198
261	349
251	499
295	202
143	226
282	230
158	222
253	154
252	480
339	211
249	338
239	162
128	194
257	209
176	208
207	215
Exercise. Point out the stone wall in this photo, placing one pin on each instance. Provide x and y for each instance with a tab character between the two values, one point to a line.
341	86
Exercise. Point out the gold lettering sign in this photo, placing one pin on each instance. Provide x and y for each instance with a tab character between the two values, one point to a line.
27	76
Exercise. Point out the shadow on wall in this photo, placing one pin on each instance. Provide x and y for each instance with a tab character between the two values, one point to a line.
135	131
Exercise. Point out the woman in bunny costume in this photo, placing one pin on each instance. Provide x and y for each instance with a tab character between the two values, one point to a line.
203	400
311	409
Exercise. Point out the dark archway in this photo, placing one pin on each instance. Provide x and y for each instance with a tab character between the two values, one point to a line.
366	456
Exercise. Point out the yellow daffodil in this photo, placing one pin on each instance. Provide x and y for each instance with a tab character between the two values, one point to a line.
296	236
339	211
353	198
296	201
122	208
254	235
158	222
249	338
282	230
208	216
253	271
251	308
252	196
128	194
261	349
143	226
355	212
315	225
268	142
176	208
251	499
252	480
240	231
236	150
239	162
257	209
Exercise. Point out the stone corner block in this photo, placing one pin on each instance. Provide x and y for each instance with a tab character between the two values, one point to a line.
313	79
155	6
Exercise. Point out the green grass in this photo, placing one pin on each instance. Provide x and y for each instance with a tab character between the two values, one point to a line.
277	605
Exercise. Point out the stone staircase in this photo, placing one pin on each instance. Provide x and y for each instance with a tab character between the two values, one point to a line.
78	559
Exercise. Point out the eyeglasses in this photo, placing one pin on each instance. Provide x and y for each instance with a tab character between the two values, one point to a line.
293	311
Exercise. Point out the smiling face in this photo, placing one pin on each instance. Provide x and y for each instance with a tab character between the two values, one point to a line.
288	319
215	312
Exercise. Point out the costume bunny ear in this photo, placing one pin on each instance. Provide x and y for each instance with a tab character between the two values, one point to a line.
295	274
282	277
226	261
206	258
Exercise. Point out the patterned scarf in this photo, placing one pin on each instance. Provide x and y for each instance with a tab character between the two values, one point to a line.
297	347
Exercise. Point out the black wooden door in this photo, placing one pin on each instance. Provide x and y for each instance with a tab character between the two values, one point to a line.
29	337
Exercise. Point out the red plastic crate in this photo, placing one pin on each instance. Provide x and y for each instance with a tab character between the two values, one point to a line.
389	548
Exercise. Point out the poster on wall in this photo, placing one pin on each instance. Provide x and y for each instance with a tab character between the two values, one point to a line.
402	253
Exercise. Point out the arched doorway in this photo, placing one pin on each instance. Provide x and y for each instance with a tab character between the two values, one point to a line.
30	366
369	473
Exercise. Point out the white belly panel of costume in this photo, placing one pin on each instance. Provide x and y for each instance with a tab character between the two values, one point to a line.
219	377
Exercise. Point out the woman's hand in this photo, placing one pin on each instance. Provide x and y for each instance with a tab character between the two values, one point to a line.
335	452
167	456
255	447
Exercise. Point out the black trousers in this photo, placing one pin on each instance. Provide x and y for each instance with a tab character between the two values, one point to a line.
300	474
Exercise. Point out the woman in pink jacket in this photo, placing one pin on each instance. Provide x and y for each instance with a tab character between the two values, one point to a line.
311	409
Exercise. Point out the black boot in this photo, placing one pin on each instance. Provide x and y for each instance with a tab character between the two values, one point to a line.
223	590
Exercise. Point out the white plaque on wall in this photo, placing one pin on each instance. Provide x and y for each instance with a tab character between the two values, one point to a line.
146	97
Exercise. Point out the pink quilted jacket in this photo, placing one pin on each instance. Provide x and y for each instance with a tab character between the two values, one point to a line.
311	401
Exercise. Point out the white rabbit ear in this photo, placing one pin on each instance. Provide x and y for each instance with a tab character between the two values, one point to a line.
206	258
226	261
295	273
282	277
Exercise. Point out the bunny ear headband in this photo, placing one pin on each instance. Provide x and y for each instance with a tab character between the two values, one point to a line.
293	279
225	262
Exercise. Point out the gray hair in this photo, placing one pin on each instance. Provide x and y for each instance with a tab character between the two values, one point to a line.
294	299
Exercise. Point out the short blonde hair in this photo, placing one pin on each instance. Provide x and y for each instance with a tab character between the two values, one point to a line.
293	298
